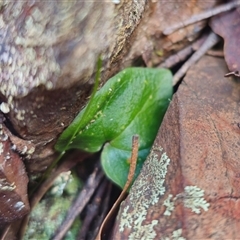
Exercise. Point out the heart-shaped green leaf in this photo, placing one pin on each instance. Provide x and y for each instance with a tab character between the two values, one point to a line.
132	102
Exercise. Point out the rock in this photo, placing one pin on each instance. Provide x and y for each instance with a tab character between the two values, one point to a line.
49	52
48	55
189	185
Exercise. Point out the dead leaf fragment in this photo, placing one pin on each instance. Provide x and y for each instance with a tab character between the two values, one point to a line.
189	185
227	26
13	183
150	42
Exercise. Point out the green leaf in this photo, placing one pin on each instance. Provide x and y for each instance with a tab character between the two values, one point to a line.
115	163
132	102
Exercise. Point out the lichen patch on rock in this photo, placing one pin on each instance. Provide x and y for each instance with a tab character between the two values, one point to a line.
1	148
176	235
194	199
4	107
143	195
6	186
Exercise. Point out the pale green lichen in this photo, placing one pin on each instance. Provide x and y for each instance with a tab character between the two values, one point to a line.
116	1
125	221
157	170
1	148
176	235
6	186
143	195
4	107
194	199
146	232
169	203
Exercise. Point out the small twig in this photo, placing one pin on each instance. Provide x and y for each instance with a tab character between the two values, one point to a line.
133	163
211	40
177	57
234	73
104	211
215	53
92	210
81	201
5	232
182	54
198	17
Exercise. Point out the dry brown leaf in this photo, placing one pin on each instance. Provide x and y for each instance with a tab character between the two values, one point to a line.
151	44
189	185
227	26
13	183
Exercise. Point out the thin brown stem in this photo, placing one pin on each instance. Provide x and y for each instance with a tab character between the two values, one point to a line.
104	210
182	54
93	210
215	53
198	17
5	232
209	43
133	163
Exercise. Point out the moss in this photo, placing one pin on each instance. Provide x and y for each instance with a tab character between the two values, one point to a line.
51	211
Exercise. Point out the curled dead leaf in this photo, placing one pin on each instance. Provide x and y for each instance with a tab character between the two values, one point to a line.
227	26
